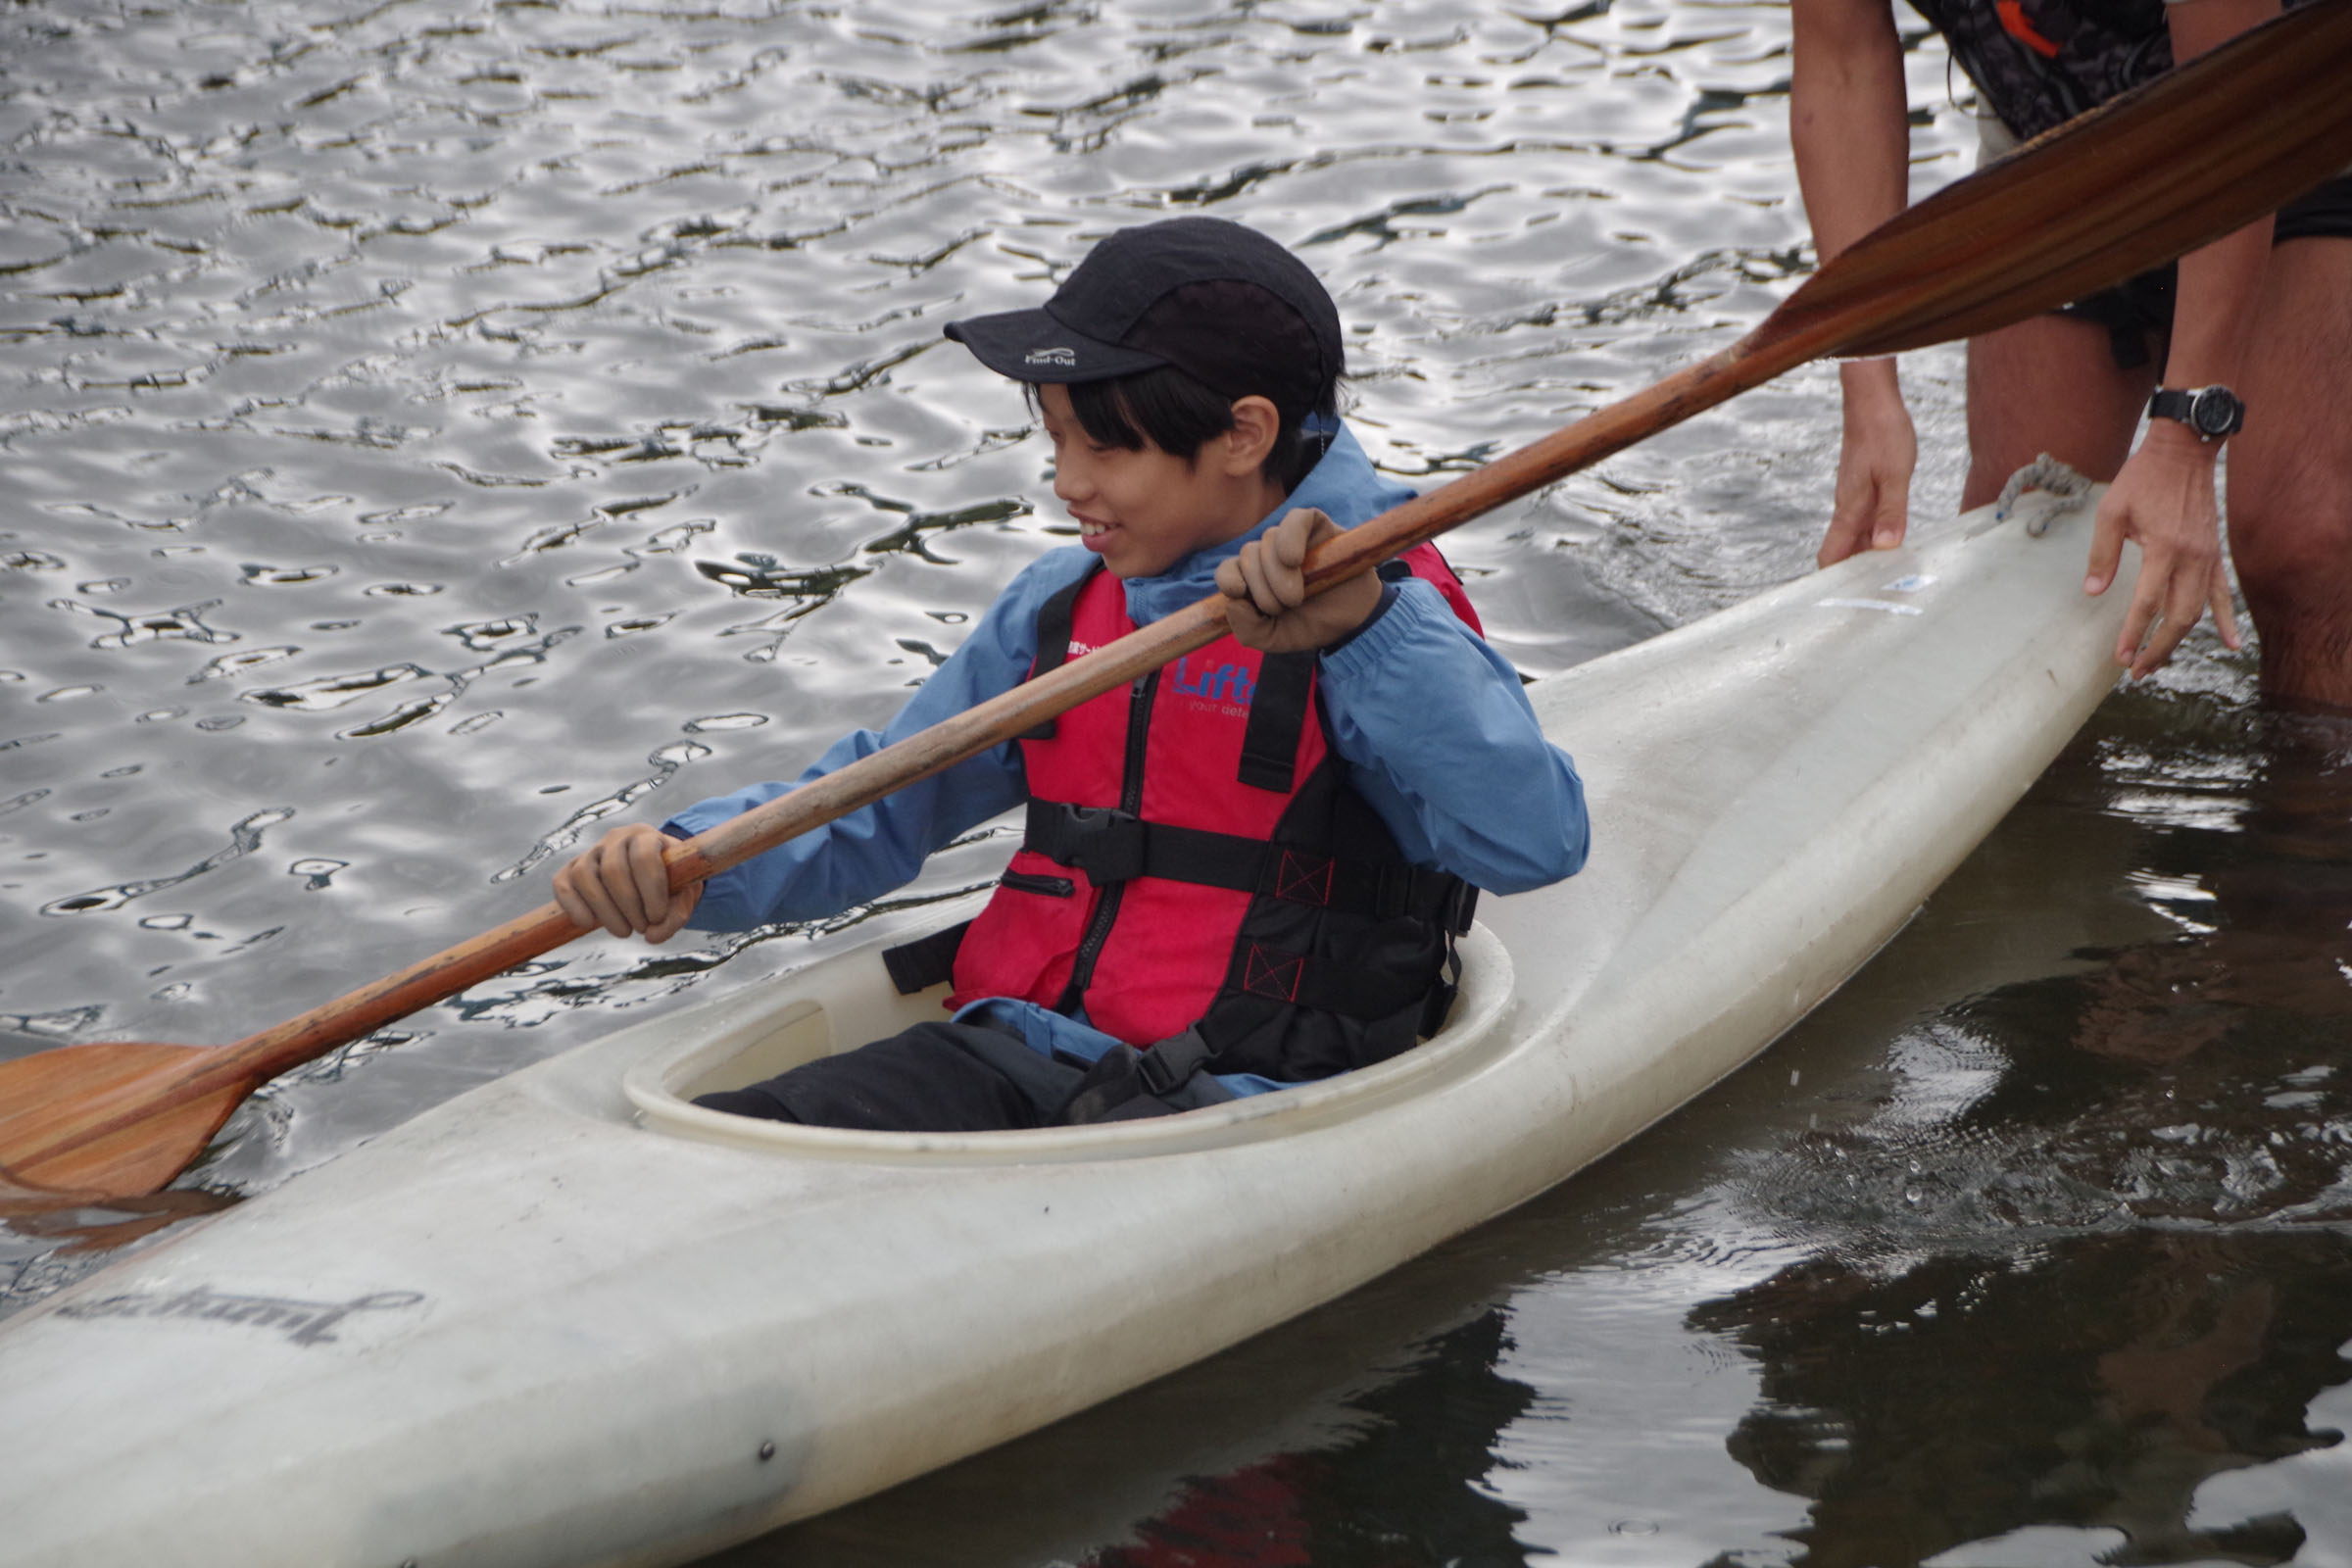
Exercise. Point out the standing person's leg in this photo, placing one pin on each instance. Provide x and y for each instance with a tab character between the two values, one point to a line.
2071	383
2049	384
2289	474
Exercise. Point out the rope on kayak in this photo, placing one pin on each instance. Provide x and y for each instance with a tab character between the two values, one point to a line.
2050	476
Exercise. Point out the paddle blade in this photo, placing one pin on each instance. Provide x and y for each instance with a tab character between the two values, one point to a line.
2148	176
81	1124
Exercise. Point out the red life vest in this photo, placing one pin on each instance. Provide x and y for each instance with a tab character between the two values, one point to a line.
1196	859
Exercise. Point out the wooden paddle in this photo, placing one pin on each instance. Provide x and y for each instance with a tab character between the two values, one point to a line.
2201	152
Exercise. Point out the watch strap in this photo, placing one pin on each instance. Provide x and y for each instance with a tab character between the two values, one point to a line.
2188	405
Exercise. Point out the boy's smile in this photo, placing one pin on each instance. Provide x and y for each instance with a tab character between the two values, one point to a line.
1145	509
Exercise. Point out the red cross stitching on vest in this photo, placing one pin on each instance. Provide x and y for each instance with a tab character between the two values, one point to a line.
1302	878
1267	973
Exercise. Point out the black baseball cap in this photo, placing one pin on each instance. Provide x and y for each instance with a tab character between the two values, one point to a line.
1220	301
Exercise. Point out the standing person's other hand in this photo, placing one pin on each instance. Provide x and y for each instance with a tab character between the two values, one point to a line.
1876	456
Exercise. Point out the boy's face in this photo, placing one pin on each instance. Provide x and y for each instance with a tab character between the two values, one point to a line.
1144	510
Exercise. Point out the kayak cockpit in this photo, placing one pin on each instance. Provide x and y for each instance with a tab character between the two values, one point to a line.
842	1002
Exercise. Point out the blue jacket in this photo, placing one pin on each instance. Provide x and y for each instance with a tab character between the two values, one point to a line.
1433	724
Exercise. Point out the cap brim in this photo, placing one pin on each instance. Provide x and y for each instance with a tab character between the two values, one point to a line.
1032	346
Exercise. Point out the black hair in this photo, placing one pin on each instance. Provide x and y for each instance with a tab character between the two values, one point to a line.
1176	414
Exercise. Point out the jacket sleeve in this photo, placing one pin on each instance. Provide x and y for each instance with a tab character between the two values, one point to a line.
1446	747
879	846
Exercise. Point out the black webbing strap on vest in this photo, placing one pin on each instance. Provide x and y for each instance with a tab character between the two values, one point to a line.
1171	1064
1111	845
1125	1083
1054	621
1278	706
1278	710
1279	700
924	962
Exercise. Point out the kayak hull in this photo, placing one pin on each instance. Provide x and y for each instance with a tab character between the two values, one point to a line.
569	1318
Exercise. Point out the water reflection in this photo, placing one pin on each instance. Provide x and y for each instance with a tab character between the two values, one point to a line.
2202	1076
1402	1493
2266	904
2092	1383
1365	1433
2117	1266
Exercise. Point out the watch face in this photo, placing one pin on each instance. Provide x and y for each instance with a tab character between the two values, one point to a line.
2214	412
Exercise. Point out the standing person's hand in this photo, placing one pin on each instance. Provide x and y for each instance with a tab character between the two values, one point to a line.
2163	500
1876	456
1266	603
621	882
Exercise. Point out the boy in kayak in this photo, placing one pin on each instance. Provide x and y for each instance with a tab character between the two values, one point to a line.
1244	871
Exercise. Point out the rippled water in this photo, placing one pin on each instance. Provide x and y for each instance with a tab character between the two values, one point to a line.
434	428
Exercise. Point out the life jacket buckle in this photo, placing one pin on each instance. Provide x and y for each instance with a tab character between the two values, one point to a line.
1171	1064
1102	841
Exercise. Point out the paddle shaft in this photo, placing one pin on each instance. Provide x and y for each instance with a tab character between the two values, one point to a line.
2235	132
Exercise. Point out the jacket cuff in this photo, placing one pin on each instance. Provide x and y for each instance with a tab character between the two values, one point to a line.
1402	616
1388	597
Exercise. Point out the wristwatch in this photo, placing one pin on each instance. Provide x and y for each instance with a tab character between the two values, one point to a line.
2213	411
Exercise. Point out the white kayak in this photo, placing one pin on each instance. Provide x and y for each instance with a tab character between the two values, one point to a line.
569	1318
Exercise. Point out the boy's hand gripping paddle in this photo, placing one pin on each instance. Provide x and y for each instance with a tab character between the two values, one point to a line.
2157	173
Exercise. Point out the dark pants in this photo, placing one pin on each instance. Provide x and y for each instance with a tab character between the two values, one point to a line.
2137	313
961	1078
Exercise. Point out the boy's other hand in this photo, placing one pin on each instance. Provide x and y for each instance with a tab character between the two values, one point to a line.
1266	605
621	882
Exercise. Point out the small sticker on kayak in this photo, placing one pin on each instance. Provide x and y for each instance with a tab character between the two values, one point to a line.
1869	603
303	1321
1908	585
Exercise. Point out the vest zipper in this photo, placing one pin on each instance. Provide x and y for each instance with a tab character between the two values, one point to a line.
1131	801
